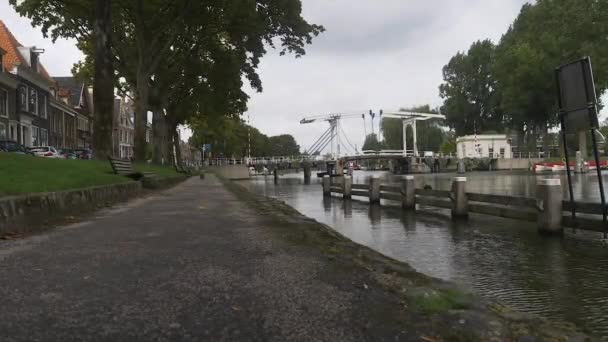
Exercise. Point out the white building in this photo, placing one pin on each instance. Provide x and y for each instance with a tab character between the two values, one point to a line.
484	146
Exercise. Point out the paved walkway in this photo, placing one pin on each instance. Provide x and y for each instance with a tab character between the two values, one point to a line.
189	264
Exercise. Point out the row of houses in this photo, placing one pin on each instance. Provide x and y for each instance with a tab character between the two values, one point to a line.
39	110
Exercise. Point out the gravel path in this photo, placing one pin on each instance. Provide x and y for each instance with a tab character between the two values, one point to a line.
189	264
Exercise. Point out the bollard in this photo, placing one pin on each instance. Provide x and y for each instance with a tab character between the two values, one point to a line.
276	175
374	189
202	175
408	193
549	204
461	166
306	174
460	203
326	186
349	171
347	187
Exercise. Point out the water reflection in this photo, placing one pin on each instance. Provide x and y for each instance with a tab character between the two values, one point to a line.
506	260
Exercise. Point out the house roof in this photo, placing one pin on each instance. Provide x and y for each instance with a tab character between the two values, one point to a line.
12	56
71	88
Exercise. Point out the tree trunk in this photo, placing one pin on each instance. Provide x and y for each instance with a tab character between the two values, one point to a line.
141	116
103	83
159	137
176	144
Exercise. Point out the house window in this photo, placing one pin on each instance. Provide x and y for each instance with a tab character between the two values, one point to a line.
44	137
2	131
33	100
502	152
491	152
3	103
35	135
43	109
23	98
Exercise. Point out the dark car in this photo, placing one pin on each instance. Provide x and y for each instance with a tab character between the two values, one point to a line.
14	147
84	153
68	154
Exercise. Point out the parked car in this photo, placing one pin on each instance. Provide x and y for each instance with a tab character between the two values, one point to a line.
14	147
67	154
45	151
84	153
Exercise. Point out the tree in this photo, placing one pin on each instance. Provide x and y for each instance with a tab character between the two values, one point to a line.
103	86
284	145
371	143
145	33
469	90
429	134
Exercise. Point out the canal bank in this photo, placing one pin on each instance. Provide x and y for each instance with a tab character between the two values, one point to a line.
501	259
428	306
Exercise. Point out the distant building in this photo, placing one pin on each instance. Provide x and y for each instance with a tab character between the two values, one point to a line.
77	96
484	146
124	128
29	124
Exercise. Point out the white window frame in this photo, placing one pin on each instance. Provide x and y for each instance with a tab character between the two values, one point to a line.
43	133
26	101
4	129
44	113
5	115
32	91
35	138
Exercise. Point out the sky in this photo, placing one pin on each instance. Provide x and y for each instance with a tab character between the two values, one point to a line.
374	55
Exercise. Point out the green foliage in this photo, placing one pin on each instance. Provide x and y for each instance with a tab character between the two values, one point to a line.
512	85
442	301
429	134
371	143
449	144
188	57
469	90
229	137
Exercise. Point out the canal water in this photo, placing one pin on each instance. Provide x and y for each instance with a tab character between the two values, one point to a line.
501	259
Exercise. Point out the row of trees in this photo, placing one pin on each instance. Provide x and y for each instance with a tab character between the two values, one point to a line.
233	138
512	85
183	60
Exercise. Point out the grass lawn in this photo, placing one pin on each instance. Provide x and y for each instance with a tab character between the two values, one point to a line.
24	174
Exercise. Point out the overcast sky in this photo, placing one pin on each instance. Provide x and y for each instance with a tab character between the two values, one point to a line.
374	55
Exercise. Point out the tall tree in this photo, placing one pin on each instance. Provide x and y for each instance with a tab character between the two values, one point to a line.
469	90
371	143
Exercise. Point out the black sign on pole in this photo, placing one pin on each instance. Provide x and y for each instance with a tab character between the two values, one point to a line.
578	112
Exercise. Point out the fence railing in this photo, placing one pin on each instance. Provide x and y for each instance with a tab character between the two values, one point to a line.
547	209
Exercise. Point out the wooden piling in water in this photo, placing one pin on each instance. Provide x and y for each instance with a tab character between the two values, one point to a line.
408	193
326	186
374	189
347	187
549	204
460	203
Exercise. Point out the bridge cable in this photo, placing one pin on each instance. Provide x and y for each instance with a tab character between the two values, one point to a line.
348	141
319	141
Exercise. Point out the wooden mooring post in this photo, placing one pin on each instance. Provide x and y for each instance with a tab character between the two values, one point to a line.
306	173
374	189
546	209
326	186
408	193
549	204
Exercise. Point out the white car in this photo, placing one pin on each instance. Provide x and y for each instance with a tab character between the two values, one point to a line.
45	151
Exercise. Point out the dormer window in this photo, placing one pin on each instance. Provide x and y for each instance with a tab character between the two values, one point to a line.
34	60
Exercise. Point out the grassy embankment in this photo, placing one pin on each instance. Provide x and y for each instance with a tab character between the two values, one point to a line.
26	174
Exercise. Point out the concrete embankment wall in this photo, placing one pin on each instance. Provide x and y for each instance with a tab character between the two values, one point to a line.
231	171
30	213
516	164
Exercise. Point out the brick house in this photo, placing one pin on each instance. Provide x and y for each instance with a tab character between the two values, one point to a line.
34	87
76	95
8	103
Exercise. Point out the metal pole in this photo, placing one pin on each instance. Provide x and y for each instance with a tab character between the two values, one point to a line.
600	181
571	192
